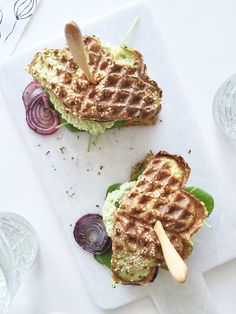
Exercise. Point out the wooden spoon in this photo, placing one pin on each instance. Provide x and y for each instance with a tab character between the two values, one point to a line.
175	263
75	42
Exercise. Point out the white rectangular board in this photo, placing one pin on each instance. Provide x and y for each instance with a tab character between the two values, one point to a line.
77	170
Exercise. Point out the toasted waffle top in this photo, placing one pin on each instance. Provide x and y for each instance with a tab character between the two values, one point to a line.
123	90
157	195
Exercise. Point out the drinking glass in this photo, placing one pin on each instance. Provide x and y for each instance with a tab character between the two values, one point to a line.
18	250
224	107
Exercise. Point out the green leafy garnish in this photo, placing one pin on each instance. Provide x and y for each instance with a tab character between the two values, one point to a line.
117	204
130	32
104	259
138	173
202	196
69	126
112	188
165	267
119	124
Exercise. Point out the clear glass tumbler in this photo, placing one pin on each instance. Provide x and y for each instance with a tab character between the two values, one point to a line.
18	250
224	107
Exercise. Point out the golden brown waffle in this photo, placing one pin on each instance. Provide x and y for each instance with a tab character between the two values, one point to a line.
157	195
123	92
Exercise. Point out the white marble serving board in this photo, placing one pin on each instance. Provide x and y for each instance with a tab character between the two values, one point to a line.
77	171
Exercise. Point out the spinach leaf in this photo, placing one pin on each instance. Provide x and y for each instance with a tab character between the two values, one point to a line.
165	267
202	196
104	259
117	204
112	188
70	127
119	124
138	173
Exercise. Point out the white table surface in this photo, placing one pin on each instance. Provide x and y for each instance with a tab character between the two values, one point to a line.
200	38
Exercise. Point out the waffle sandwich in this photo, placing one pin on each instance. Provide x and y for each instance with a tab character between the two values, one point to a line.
123	95
158	194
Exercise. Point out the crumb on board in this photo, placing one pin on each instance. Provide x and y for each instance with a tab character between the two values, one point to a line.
62	149
189	151
48	152
70	193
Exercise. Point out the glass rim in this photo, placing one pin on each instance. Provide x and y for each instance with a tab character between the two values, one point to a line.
20	219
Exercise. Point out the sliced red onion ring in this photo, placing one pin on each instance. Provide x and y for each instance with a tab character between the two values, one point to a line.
90	233
32	89
41	116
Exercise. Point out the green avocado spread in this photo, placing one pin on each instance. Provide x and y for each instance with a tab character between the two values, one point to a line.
121	54
112	202
90	126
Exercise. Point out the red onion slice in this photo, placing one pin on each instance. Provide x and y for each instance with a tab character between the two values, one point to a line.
32	89
90	233
41	116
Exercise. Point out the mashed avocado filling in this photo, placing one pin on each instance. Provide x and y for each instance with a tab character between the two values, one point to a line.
90	126
121	54
112	202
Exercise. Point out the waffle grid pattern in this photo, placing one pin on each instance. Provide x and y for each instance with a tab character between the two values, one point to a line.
122	92
157	195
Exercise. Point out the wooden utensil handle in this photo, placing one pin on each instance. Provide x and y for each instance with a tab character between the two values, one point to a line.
75	42
175	263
